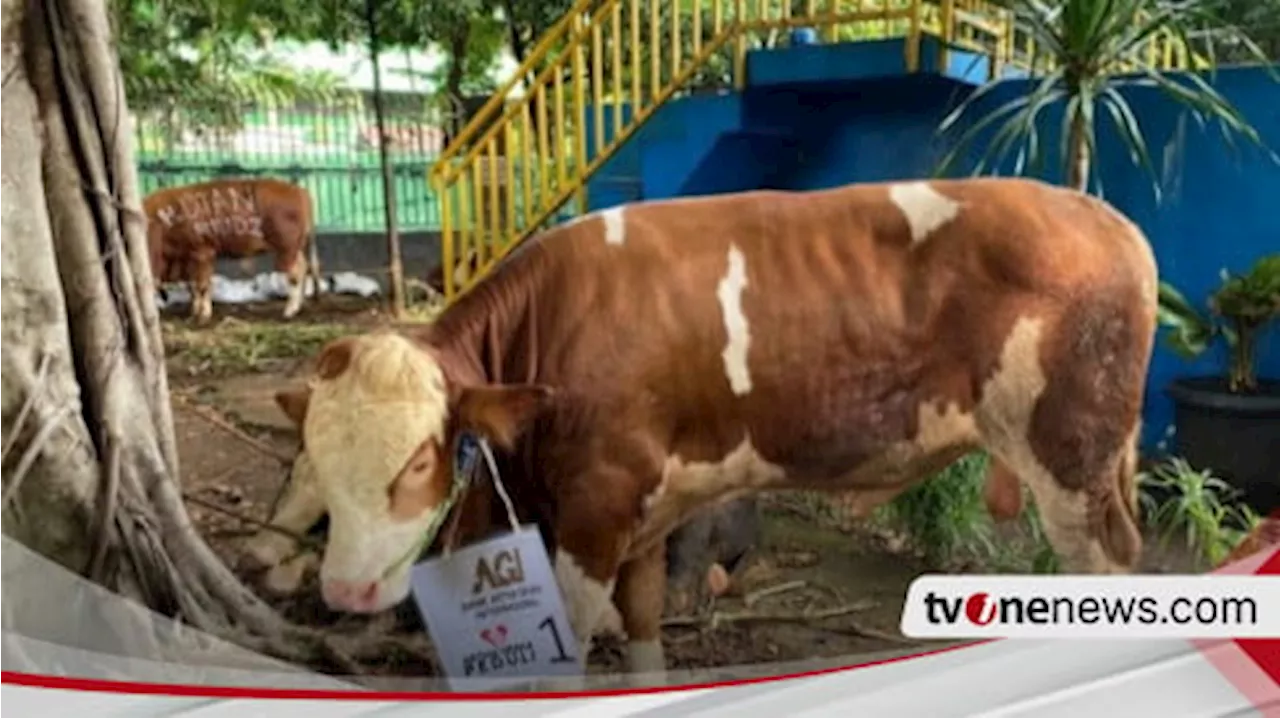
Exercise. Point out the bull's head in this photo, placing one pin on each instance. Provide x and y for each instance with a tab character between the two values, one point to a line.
379	421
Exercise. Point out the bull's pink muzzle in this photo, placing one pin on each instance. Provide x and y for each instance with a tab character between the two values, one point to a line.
351	596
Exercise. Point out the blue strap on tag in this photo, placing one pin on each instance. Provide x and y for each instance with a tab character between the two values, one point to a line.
466	456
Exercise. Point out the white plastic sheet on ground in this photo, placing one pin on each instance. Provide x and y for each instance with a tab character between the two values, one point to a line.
269	286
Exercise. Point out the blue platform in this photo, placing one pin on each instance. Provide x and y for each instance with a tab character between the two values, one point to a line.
815	116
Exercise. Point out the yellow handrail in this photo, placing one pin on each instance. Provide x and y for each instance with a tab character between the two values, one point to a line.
532	60
522	156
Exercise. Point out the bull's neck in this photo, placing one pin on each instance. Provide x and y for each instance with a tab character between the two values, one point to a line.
490	334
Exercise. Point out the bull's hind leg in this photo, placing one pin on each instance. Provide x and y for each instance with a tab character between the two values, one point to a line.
1061	413
294	266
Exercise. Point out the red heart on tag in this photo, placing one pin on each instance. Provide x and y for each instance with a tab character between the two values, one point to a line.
495	636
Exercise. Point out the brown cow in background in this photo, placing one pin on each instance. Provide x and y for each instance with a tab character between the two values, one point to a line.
189	227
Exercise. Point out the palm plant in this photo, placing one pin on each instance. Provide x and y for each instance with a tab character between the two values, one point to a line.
1088	52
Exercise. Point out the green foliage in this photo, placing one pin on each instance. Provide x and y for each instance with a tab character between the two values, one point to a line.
946	518
205	57
1238	311
1196	505
946	513
1262	17
1090	51
1253	296
202	55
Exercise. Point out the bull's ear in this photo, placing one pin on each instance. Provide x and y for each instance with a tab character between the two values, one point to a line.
501	413
293	402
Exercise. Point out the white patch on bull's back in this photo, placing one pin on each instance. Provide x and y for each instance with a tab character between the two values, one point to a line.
588	602
361	428
1004	417
615	225
736	328
924	207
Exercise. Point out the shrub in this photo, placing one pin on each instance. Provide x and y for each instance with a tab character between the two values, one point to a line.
1179	499
945	514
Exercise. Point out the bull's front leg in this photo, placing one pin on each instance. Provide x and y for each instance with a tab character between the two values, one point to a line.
201	286
642	584
299	508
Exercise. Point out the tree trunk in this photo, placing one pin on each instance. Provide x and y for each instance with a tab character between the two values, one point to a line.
459	40
395	265
90	467
1079	158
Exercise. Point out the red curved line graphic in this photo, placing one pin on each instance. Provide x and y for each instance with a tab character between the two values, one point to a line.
97	685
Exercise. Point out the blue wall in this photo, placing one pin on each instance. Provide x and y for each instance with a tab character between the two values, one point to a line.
1220	209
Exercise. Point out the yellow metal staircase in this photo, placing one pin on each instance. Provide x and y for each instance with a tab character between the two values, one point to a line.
609	64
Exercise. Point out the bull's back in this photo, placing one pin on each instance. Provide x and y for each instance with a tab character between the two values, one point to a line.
822	321
233	218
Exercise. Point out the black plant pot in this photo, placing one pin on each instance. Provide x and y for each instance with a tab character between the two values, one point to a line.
1236	436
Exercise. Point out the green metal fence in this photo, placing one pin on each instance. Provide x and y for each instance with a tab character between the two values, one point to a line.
330	147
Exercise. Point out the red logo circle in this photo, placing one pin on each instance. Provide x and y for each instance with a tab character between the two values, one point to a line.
980	609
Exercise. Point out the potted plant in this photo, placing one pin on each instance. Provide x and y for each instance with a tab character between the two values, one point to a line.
1230	422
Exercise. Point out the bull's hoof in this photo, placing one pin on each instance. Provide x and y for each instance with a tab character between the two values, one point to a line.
287	578
260	553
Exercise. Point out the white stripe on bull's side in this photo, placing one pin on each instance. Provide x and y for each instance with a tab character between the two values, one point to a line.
587	602
735	322
925	209
615	225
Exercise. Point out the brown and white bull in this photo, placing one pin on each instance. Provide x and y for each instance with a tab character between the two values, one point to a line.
190	227
651	359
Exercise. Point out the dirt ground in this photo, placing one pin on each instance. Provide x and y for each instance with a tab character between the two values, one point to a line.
818	586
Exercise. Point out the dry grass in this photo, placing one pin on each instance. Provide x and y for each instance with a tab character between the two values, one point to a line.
235	346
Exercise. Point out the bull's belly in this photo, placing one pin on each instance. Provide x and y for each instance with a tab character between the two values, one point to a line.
687	488
226	240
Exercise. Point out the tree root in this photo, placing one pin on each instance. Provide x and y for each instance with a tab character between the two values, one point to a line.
715	619
853	628
32	451
27	406
306	541
212	417
751	599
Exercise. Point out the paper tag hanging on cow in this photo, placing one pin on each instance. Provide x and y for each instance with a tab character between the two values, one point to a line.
494	610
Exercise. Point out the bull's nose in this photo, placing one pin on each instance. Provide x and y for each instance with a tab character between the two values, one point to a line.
358	596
